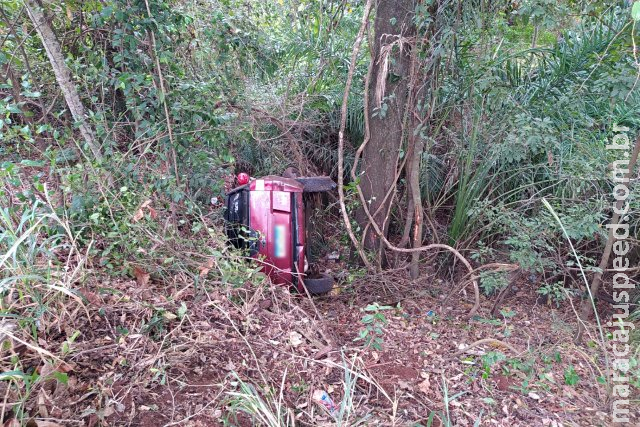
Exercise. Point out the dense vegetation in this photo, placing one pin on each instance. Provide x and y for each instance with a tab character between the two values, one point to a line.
490	124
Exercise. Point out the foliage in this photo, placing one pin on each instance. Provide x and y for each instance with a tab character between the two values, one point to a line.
553	292
522	99
373	322
493	282
533	123
246	399
490	359
570	376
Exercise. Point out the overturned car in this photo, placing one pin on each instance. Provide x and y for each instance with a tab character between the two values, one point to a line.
267	217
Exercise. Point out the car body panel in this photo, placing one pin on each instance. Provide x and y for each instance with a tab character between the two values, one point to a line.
276	220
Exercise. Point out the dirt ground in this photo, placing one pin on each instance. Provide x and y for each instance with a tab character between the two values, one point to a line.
181	355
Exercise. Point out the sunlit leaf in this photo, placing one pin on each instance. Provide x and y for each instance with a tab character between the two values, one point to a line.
635	11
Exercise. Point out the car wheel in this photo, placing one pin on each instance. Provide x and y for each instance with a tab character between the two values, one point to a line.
319	285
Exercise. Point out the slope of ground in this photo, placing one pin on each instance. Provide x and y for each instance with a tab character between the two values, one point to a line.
258	356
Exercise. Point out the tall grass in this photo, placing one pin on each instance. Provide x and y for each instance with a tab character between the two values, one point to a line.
246	399
32	236
270	409
35	285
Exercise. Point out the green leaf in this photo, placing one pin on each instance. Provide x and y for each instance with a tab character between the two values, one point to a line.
74	336
31	163
570	376
12	375
106	11
182	310
61	377
13	108
29	94
367	319
635	11
508	313
380	317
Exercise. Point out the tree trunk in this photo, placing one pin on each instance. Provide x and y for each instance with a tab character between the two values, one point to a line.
418	212
387	95
62	73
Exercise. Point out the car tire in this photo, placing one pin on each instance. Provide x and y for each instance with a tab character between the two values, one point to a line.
319	285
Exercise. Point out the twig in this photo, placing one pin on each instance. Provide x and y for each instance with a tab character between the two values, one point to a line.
41	351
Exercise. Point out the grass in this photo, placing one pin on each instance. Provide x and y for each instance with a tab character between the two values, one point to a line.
33	289
350	409
50	304
246	399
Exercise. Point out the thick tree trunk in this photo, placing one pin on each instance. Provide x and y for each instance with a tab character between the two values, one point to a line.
387	95
62	73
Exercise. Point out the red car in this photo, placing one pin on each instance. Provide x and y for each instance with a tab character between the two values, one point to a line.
266	216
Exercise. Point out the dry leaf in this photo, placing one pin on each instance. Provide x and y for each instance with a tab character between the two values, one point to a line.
169	316
138	215
142	277
295	338
404	385
46	370
425	386
42	404
65	368
140	212
323	352
92	297
204	269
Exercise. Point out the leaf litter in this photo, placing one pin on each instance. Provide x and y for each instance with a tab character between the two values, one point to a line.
194	357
